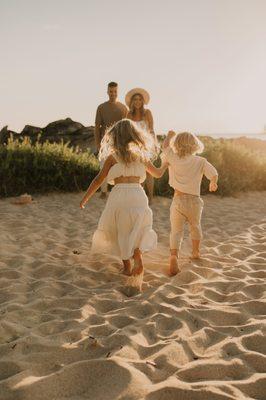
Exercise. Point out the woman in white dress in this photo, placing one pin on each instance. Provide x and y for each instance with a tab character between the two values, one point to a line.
136	99
125	226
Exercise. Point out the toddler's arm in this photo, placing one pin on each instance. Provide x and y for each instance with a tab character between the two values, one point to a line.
97	181
211	173
213	183
166	141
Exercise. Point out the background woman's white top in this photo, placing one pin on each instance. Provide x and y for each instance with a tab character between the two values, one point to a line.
142	124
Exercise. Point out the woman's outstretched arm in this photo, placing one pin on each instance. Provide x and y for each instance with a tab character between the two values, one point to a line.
98	180
154	171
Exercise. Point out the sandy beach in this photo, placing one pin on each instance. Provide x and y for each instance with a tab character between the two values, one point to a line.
68	332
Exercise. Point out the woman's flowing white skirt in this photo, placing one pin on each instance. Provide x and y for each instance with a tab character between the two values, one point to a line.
126	223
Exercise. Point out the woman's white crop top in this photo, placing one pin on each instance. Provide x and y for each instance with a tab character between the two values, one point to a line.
135	168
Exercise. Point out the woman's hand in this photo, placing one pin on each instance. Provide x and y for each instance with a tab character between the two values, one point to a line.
82	204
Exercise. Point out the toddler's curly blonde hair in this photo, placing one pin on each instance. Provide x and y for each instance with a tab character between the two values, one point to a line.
186	143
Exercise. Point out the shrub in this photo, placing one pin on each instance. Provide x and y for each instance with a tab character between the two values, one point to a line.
239	169
44	167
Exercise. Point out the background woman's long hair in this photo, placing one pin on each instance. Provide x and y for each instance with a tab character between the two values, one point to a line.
127	142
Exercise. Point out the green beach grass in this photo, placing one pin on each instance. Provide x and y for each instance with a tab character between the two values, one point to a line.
42	168
48	167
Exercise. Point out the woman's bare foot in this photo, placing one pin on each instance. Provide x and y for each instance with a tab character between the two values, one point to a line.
138	268
138	265
127	271
173	265
127	267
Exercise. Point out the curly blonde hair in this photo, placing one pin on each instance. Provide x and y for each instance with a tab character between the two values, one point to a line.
126	141
186	143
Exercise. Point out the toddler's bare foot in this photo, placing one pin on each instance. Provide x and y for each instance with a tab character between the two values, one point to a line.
195	255
173	265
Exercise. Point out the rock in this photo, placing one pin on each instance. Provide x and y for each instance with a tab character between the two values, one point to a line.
64	129
30	130
5	134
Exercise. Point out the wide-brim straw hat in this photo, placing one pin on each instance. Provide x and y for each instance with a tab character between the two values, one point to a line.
132	92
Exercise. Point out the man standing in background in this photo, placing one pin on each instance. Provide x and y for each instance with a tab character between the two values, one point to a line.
107	114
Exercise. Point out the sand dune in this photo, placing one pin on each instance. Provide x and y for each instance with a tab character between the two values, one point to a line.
68	331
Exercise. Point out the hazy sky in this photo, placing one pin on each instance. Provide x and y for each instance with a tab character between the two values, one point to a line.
203	61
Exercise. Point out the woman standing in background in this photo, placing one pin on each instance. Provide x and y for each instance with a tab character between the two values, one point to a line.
136	99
